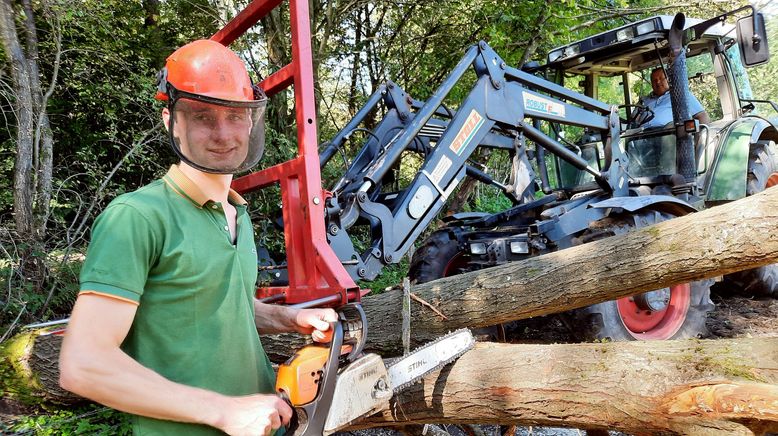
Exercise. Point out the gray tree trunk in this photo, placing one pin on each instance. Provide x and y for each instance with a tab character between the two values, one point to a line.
25	121
43	141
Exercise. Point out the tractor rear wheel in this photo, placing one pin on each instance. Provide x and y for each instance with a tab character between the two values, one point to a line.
675	312
762	174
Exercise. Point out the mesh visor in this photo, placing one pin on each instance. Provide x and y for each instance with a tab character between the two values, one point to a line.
217	136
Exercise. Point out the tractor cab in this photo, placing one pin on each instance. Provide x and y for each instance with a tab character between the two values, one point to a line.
616	67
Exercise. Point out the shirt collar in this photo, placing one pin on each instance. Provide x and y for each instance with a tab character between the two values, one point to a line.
185	187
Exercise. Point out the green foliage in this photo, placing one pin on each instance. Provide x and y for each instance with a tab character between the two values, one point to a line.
391	276
87	420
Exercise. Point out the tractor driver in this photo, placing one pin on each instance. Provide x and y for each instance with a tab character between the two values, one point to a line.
165	326
659	103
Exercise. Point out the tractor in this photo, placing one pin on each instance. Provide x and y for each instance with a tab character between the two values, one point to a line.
580	169
732	156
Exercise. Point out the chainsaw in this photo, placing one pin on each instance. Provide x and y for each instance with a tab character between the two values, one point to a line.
331	386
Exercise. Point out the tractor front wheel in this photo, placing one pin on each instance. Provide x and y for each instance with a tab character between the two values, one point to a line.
439	256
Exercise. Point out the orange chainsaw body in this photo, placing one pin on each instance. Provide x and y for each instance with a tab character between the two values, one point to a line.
300	376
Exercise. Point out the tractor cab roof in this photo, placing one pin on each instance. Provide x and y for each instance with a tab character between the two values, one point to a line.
631	47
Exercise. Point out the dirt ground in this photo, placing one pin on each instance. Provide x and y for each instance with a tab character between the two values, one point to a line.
739	317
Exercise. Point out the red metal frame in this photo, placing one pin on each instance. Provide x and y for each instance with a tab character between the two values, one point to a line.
314	270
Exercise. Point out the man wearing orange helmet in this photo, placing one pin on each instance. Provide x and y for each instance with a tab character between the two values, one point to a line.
166	325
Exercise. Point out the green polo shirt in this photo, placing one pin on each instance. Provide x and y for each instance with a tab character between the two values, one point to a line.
166	247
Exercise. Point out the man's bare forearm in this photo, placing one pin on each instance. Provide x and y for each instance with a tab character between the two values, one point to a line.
93	365
116	380
271	318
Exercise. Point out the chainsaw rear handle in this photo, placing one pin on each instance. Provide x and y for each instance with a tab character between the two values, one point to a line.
309	419
350	329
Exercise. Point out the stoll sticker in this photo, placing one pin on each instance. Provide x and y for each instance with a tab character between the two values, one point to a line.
540	104
466	133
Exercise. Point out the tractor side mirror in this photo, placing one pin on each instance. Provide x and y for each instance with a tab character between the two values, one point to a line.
752	40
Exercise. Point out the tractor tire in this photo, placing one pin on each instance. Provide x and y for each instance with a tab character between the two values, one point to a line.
677	312
762	174
439	256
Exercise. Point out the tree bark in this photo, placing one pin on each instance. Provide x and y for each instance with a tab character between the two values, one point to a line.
30	371
731	237
687	387
671	387
25	121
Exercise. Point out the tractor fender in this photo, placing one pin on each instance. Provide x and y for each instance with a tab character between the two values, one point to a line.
662	203
726	179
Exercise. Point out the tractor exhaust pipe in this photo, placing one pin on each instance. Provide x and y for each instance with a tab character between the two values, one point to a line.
678	80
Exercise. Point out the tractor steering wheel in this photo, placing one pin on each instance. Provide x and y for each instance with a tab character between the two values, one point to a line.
637	114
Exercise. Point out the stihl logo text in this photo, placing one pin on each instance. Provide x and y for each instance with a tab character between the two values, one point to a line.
465	135
367	374
416	365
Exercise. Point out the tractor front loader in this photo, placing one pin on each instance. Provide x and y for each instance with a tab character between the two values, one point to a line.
590	187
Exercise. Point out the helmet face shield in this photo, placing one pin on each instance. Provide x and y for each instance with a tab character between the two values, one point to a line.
217	136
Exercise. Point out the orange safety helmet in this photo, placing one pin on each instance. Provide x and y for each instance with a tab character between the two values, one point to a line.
206	68
209	93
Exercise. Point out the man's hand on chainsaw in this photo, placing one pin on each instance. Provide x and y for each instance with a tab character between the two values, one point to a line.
316	322
253	415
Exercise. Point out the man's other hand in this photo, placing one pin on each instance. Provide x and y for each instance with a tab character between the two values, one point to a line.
316	322
253	415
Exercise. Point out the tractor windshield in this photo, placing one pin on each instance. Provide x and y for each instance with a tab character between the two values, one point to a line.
648	136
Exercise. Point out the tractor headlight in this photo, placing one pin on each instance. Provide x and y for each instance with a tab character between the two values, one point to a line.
572	50
625	34
519	247
478	248
556	54
645	27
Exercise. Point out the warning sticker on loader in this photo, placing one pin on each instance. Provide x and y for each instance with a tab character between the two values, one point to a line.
542	105
466	133
440	169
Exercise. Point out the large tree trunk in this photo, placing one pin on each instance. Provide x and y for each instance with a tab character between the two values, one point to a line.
732	237
29	365
25	121
672	387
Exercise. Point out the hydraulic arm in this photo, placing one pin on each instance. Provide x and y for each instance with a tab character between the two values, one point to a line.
498	112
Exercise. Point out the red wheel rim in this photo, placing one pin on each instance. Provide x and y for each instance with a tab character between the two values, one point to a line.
772	180
458	261
660	324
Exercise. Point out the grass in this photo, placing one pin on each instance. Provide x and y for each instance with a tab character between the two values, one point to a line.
85	420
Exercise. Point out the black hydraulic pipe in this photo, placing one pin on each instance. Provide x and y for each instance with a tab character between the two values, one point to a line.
560	150
337	141
379	169
482	176
540	155
679	96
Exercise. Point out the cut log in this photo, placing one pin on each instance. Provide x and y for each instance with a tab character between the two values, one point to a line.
30	371
731	237
701	387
